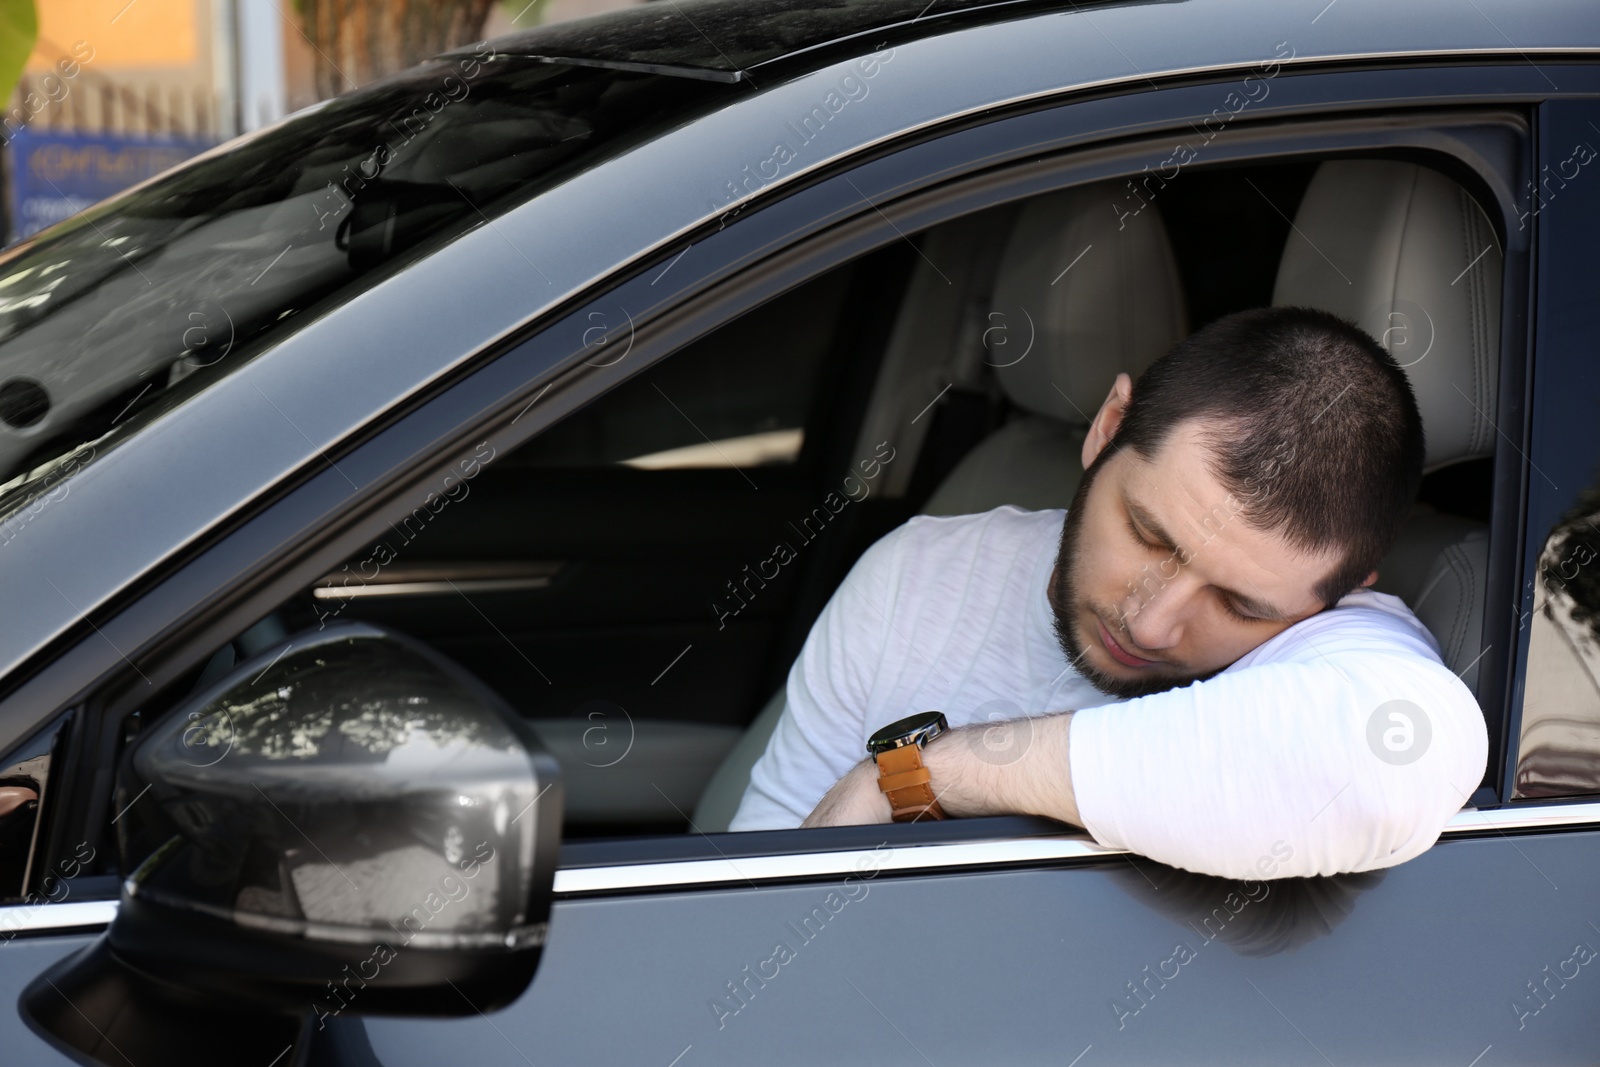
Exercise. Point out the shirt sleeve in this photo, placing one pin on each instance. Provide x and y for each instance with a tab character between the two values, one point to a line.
820	733
1333	756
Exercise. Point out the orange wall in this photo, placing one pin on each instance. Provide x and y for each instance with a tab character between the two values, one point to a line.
124	35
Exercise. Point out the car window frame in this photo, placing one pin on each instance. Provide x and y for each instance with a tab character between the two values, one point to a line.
313	524
1556	379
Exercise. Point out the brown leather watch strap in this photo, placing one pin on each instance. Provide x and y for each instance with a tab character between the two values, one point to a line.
906	782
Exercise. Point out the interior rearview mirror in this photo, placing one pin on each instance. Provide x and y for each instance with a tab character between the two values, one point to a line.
347	823
390	216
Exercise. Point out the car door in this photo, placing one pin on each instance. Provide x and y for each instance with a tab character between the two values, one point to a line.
1012	941
997	940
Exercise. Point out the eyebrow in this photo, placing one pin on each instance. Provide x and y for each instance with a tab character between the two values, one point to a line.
1144	518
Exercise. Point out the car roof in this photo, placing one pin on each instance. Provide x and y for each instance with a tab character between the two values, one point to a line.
783	37
723	35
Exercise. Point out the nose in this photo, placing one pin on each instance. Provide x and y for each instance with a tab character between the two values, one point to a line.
1153	612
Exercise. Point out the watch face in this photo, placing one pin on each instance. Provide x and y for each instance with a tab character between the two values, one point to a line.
916	729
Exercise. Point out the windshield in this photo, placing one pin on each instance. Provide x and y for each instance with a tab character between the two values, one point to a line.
136	303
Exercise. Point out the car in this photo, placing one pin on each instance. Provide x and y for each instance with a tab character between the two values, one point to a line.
412	510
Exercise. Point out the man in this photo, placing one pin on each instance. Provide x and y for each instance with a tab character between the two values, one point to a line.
1250	482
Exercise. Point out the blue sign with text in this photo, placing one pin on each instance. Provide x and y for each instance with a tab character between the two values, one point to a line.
55	175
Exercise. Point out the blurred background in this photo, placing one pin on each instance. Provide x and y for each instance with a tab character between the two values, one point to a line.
106	93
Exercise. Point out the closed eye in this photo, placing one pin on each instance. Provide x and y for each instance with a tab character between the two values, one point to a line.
1139	537
1232	609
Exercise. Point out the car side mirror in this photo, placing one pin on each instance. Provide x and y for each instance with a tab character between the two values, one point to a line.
346	823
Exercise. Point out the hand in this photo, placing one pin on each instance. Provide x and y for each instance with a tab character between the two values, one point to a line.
854	800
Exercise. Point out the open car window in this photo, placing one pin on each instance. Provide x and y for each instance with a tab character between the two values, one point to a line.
621	579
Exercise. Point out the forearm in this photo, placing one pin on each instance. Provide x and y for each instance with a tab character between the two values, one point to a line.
1015	767
1005	768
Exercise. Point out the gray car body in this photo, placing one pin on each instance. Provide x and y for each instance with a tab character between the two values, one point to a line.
998	959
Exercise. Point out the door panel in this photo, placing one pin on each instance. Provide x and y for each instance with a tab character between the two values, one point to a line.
1457	952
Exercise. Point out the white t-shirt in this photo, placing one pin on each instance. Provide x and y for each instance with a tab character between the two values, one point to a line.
1288	763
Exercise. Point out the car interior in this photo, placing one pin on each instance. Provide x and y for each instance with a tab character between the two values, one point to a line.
637	580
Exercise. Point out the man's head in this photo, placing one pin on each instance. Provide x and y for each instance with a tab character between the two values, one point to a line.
1254	475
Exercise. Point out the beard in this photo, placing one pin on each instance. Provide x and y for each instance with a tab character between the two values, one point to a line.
1064	603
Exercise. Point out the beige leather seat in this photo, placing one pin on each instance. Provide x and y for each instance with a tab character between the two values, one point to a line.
1118	308
1407	254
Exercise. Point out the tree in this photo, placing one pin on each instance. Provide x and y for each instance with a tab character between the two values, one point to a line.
19	29
359	41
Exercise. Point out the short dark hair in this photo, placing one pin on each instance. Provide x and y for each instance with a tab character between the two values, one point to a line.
1318	433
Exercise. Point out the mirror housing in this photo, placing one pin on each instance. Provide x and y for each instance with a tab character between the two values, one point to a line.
347	822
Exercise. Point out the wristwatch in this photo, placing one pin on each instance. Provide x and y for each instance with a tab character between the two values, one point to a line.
901	775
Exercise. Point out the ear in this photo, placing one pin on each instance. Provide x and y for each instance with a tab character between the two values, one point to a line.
1108	419
1370	579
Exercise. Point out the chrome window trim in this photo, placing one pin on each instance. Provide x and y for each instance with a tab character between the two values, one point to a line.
439	588
439	579
1524	817
442	587
1072	846
753	870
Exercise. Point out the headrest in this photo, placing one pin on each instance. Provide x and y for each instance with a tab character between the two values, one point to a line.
1406	254
1100	286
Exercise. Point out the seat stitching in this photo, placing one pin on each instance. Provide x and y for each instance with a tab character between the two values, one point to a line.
1474	338
1481	341
1491	344
1464	608
1399	253
1464	241
1479	322
1464	233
